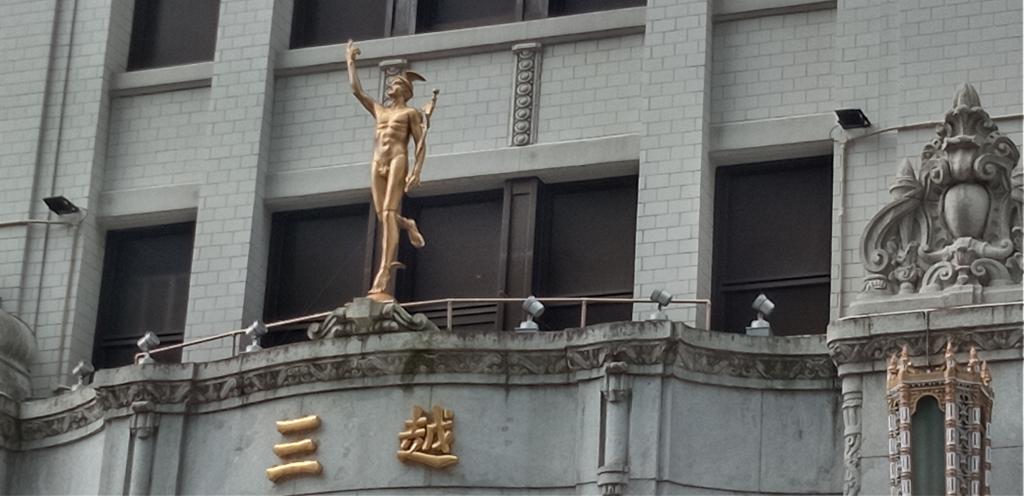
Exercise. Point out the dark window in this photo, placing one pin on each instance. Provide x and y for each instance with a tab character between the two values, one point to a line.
145	288
460	259
441	15
568	7
325	22
570	239
172	32
317	263
773	229
586	246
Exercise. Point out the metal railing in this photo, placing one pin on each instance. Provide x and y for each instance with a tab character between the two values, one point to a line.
449	316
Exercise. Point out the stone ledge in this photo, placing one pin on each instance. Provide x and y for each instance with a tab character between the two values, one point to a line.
466	41
172	78
430	358
731	10
861	344
592	158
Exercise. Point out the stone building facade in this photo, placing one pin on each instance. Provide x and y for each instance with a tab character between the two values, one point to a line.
678	97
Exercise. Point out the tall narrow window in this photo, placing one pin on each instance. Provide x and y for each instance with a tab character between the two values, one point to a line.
317	263
325	22
145	288
172	32
773	228
441	15
927	448
586	243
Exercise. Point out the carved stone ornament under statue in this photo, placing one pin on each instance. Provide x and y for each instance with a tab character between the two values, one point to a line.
952	234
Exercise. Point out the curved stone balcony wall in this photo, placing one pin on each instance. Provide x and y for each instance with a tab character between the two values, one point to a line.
707	412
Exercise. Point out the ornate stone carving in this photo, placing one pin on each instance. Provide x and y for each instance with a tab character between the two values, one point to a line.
853	399
44	427
524	94
955	224
879	347
367	316
406	365
388	70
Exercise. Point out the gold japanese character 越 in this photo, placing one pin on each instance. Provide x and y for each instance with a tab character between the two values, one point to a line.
428	440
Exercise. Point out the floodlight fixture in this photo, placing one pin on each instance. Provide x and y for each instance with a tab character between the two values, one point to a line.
853	118
534	309
60	205
764	307
146	343
255	332
662	298
83	371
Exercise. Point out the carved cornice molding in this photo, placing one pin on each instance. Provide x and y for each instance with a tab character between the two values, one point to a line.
669	355
880	347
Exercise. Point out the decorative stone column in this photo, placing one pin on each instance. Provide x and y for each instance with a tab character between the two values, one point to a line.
853	399
525	92
143	446
388	70
613	474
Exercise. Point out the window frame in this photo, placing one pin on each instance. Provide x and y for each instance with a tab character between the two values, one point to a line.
111	285
721	286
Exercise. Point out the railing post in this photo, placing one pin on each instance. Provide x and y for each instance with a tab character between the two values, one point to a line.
583	313
448	314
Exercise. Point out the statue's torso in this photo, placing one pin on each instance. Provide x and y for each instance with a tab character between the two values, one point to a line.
392	135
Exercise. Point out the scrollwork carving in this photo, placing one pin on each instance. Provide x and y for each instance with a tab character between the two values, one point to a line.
957	222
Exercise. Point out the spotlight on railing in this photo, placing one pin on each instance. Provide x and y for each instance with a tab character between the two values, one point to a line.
255	332
147	342
662	298
83	371
764	307
533	309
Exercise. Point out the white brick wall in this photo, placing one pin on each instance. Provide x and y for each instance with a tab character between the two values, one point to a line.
590	89
473	107
25	45
773	66
318	123
946	42
153	139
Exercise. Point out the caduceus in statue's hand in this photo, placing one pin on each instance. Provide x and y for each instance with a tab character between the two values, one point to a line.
390	176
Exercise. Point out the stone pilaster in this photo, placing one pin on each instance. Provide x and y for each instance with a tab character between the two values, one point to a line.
232	224
676	187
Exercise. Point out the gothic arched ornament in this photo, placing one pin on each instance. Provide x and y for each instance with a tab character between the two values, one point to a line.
952	234
964	395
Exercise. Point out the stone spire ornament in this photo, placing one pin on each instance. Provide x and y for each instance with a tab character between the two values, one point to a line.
952	234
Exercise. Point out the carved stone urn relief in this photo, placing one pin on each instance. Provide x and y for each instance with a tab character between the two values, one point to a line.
952	234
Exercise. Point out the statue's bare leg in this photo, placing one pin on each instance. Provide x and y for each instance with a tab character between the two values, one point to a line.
388	215
415	237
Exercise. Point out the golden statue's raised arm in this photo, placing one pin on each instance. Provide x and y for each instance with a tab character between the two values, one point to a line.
390	174
351	52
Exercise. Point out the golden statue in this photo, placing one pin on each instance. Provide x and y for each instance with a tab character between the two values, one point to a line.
390	176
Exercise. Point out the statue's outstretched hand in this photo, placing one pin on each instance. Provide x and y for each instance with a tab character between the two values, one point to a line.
351	52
